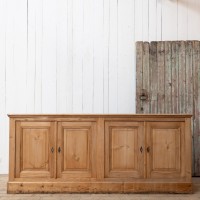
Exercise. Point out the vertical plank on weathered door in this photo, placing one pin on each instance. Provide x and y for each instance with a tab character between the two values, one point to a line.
191	64
174	64
190	56
196	106
145	84
153	79
139	78
181	73
168	78
197	131
174	83
161	77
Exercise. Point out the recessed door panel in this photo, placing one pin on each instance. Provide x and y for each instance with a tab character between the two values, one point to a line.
122	144
34	149
77	144
76	149
165	153
124	150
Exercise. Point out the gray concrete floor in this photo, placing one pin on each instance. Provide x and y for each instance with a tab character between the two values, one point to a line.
5	196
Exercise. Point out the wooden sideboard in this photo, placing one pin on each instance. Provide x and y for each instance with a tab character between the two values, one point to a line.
100	153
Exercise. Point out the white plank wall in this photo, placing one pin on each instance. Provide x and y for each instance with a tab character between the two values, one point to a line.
78	56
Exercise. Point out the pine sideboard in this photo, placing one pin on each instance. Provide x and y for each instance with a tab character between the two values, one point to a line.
100	153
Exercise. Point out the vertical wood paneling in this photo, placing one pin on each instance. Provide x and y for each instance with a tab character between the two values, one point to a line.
38	55
88	57
159	18
106	38
125	58
69	64
61	55
138	20
9	54
193	19
3	64
172	8
3	149
182	23
10	89
98	47
113	57
34	62
145	20
78	20
49	58
152	18
31	50
133	72
20	54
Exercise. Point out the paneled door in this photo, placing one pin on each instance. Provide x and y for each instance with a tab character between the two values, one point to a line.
165	150
167	81
35	146
76	157
124	150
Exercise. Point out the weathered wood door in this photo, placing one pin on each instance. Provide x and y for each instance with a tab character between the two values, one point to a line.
168	81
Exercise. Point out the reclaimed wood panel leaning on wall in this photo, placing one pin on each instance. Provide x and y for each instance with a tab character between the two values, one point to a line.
168	81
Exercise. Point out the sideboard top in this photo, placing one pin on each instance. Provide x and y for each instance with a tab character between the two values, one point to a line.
100	115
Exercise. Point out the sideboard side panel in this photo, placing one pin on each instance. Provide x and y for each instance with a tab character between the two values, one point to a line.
188	149
12	150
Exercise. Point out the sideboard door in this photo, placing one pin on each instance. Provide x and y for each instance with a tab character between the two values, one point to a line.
124	149
76	157
35	149
165	150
